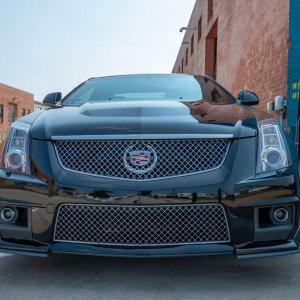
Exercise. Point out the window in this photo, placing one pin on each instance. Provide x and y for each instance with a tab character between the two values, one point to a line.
210	9
1	113
137	87
192	45
23	112
28	111
200	29
182	65
186	56
12	113
179	71
215	56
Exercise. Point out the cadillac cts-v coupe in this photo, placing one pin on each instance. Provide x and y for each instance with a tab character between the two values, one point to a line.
149	165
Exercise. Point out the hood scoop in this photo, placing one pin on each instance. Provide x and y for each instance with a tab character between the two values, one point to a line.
135	109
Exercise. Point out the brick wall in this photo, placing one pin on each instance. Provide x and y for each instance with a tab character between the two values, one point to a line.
252	45
23	102
294	71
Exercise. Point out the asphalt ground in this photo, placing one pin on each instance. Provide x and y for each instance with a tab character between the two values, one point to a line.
88	277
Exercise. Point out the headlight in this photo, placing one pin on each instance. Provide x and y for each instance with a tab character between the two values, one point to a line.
16	152
273	151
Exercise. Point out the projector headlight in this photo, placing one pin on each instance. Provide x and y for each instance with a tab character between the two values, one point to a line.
16	152
273	152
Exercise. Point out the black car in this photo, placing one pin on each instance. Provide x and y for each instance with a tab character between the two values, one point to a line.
149	165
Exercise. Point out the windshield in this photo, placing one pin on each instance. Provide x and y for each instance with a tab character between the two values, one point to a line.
137	87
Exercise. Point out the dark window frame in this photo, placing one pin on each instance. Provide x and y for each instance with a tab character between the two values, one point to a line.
200	29
12	113
1	113
216	57
210	9
187	56
192	45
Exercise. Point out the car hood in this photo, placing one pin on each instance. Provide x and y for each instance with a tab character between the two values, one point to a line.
145	117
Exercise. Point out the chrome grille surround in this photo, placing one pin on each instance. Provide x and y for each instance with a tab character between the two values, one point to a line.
140	225
175	157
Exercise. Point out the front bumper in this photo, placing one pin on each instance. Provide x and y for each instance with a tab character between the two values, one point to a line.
290	247
41	199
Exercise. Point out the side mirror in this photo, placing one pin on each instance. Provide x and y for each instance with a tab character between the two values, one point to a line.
52	99
248	98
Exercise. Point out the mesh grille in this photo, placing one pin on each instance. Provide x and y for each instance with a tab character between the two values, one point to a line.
167	158
141	225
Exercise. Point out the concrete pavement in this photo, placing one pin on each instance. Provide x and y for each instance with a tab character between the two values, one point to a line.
83	277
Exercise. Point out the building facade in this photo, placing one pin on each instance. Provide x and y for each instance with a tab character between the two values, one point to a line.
14	103
252	45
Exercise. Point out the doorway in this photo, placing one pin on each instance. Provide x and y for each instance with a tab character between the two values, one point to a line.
211	52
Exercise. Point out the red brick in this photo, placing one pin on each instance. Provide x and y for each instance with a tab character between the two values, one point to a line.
10	95
252	45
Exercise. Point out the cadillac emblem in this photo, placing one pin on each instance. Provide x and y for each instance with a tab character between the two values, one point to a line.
140	160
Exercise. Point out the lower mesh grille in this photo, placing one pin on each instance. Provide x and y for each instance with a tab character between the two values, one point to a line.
141	225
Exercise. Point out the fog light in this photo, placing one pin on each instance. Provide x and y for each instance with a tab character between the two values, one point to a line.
281	215
8	214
